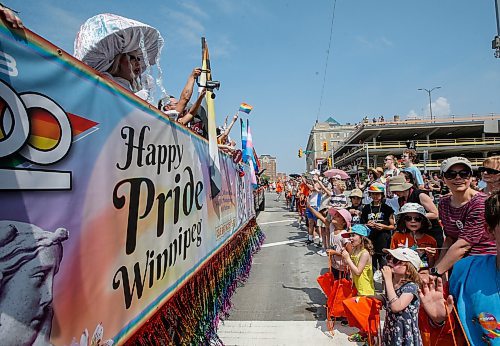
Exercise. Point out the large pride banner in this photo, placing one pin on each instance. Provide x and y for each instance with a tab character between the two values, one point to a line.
106	218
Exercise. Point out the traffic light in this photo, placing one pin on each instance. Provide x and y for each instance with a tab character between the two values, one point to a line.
325	146
330	162
300	153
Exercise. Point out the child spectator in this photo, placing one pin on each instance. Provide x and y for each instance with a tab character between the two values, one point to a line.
359	261
401	298
356	207
338	198
322	223
411	227
379	217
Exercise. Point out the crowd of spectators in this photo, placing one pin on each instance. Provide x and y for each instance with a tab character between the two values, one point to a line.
423	236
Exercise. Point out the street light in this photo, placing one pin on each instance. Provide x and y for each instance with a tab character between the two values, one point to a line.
430	100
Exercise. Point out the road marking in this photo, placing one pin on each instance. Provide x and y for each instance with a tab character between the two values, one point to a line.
282	243
264	333
268	223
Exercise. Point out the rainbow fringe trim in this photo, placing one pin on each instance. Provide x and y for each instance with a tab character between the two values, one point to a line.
192	315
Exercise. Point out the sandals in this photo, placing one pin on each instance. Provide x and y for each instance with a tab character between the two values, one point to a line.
357	337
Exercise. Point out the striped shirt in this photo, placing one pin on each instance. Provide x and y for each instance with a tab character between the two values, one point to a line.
467	223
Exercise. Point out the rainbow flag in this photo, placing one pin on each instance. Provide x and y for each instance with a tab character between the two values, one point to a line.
245	108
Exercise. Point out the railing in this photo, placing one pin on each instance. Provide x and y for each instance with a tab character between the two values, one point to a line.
424	120
433	143
436	143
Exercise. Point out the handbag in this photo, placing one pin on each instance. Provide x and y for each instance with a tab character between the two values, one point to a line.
364	313
326	280
342	289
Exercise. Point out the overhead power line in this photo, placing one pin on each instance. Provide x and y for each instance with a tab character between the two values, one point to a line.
327	58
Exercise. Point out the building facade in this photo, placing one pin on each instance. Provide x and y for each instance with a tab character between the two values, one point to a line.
325	135
434	139
268	163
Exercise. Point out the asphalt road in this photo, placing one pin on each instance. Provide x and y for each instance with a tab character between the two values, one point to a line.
282	303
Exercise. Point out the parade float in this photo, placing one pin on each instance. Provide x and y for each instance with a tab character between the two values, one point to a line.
115	221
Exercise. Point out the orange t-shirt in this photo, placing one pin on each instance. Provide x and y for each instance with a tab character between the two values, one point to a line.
400	239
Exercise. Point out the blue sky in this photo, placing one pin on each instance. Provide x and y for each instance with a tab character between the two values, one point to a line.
271	54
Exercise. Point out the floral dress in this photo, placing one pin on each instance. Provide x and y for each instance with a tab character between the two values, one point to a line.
401	328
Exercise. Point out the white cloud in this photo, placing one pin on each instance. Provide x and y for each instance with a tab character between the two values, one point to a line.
440	107
194	9
412	114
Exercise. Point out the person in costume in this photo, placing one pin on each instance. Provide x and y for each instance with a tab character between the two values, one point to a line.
123	50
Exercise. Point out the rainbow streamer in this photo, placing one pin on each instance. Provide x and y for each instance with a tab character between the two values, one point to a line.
245	108
192	315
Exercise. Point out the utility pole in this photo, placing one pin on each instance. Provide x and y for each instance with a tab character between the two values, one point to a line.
495	44
430	99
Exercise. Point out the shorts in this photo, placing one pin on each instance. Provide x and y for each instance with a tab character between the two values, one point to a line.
320	223
310	215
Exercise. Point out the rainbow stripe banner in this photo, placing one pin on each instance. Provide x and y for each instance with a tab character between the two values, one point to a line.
245	108
109	206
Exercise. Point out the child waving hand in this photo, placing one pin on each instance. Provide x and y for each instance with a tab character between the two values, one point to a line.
402	301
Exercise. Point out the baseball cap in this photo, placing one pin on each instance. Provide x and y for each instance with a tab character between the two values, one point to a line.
358	229
407	255
446	164
315	171
344	213
356	193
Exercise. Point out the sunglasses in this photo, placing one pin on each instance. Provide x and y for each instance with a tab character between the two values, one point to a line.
465	174
413	218
490	171
392	259
387	159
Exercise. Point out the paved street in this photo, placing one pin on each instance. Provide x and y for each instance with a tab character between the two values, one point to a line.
281	303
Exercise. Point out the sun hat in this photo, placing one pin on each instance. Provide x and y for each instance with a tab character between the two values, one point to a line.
358	229
413	208
376	171
398	184
376	188
446	164
407	255
344	213
106	35
325	203
356	193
